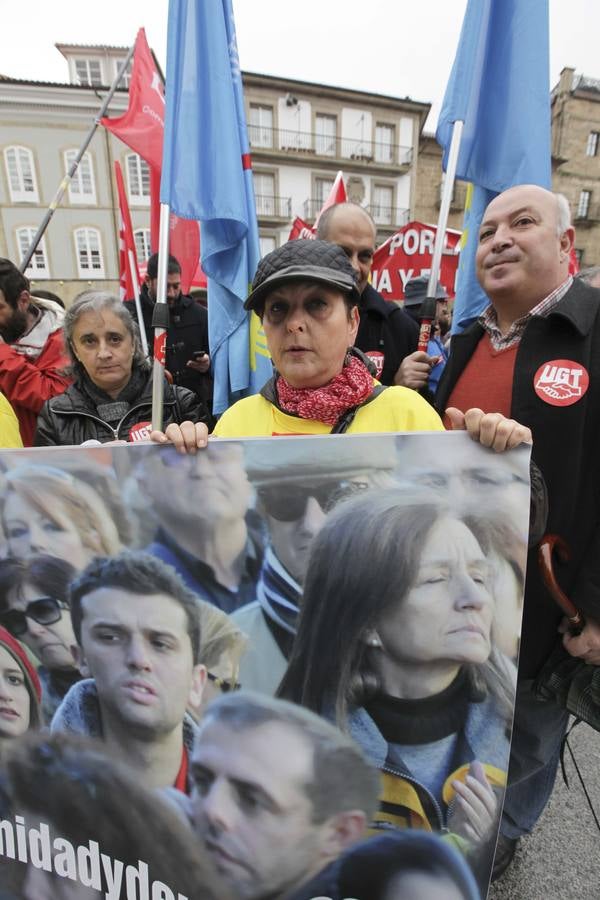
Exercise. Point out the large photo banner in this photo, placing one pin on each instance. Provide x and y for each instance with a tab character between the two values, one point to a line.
364	592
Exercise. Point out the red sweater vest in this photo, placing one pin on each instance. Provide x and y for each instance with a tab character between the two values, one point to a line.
487	379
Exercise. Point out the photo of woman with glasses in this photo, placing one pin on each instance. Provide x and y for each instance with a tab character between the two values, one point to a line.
34	608
394	644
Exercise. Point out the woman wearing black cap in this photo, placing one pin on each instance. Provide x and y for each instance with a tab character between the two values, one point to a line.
306	297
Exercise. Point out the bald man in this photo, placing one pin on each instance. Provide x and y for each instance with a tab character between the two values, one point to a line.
534	355
386	333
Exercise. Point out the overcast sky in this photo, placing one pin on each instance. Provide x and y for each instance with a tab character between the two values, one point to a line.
397	47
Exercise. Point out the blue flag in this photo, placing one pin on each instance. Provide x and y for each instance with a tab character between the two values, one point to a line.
207	176
499	87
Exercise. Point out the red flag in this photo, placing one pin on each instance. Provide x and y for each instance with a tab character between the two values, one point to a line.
126	240
300	229
142	127
337	194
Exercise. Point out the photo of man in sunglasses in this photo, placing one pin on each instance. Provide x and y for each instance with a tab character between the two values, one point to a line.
294	496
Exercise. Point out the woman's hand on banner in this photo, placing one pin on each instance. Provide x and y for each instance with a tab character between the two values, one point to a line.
490	429
186	438
475	808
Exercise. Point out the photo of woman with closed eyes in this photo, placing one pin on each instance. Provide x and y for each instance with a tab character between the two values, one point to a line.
394	643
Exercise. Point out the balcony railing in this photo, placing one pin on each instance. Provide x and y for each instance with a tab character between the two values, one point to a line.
270	207
313	144
388	216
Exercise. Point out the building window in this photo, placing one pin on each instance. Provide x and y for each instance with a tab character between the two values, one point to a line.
382	208
322	190
579	257
88	248
21	174
88	71
264	193
384	143
142	244
267	243
38	267
260	131
592	143
82	188
124	82
326	135
583	206
138	179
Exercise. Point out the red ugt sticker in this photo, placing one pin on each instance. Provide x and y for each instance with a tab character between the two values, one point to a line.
376	357
561	382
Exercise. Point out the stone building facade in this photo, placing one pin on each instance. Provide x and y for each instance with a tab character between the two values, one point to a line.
300	135
576	157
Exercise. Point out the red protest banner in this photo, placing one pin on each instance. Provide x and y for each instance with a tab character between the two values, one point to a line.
126	239
407	254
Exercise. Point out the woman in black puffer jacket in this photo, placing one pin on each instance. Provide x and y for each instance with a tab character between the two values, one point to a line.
111	396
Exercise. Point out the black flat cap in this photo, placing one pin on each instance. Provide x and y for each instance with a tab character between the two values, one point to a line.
416	291
303	260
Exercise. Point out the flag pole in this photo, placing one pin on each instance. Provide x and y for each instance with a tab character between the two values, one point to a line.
136	297
67	179
440	235
160	319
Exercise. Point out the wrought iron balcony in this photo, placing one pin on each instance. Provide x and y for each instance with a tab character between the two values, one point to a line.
307	143
269	206
388	216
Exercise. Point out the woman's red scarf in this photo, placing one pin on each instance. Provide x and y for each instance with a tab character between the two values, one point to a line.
326	404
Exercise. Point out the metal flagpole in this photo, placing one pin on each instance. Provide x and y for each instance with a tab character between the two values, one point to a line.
449	180
67	179
160	320
428	307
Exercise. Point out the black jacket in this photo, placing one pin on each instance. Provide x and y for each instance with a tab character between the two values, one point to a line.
566	441
385	328
71	418
187	332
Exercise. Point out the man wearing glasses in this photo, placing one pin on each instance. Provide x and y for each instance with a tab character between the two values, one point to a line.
294	497
138	635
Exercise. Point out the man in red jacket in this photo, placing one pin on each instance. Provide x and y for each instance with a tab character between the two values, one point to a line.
32	356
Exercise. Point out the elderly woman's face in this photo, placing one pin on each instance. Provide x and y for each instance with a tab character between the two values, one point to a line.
14	698
446	617
30	531
104	347
308	332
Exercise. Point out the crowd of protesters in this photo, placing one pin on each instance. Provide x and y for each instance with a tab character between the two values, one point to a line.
369	608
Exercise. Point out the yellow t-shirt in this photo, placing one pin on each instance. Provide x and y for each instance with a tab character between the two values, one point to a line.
395	409
10	436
